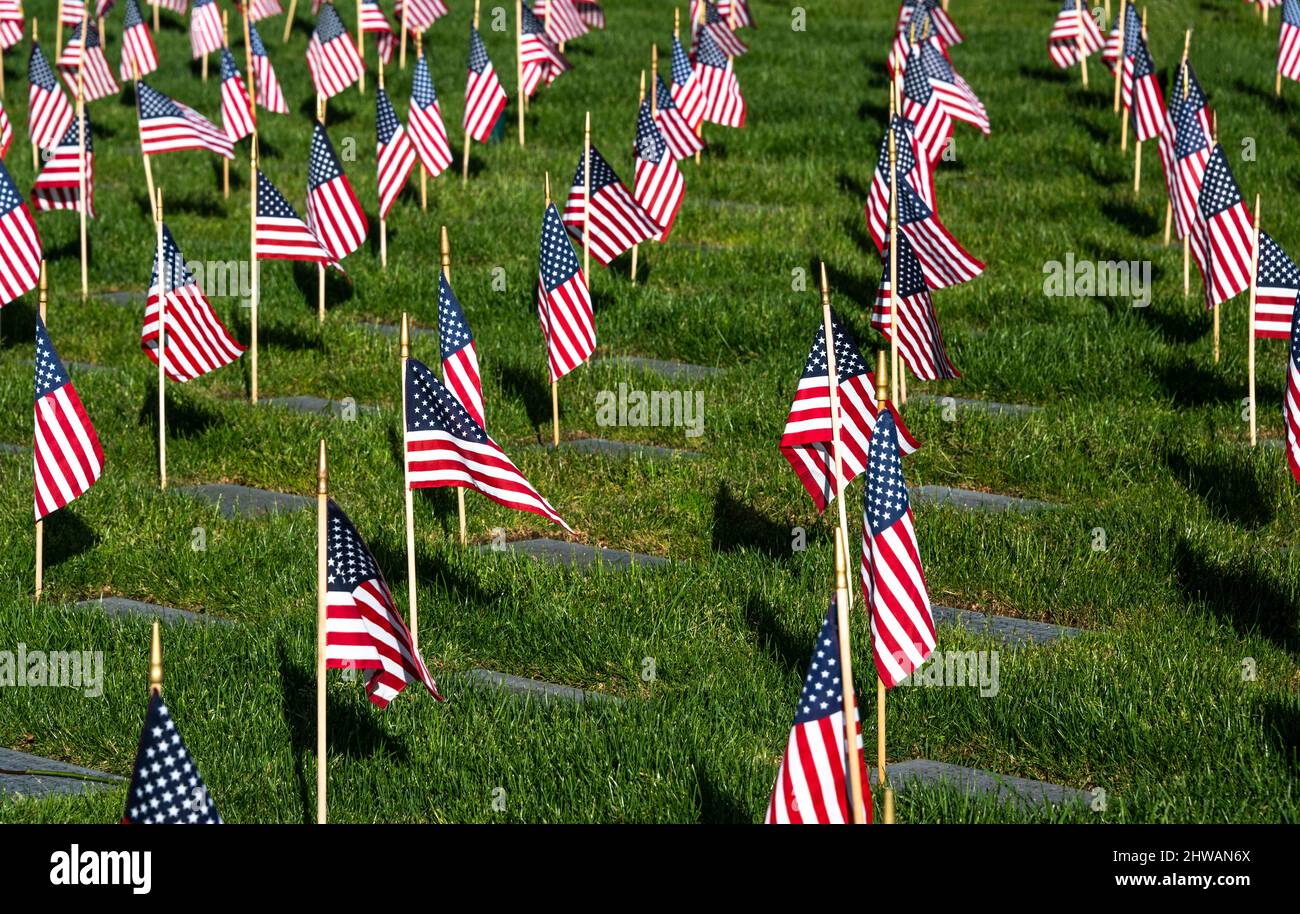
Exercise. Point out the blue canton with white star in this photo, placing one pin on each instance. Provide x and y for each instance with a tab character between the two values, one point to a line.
178	275
453	330
681	64
1219	189
154	104
255	42
270	202
601	174
478	58
50	373
884	497
166	788
38	70
348	562
422	94
823	693
1276	269
708	53
911	279
228	68
665	95
430	407
323	165
558	262
916	84
386	122
10	199
904	157
848	358
650	143
328	24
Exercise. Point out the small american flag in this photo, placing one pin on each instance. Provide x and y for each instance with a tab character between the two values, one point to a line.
924	107
11	23
953	92
563	22
944	26
1074	34
806	443
278	232
268	92
678	133
1184	157
1277	283
1148	108
812	786
563	301
1132	33
724	104
617	221
943	259
205	28
20	244
1226	233
920	341
484	97
168	126
175	6
48	110
446	447
137	44
58	186
334	214
237	118
912	167
422	14
893	581
1292	404
590	13
331	56
374	23
103	6
659	185
1288	45
6	133
715	24
71	12
261	9
687	93
166	787
424	122
736	12
459	357
67	456
96	75
395	156
539	57
363	630
197	341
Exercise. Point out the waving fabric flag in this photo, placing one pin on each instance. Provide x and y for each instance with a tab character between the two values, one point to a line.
424	122
617	221
261	9
912	168
363	630
1277	283
334	214
484	97
806	443
715	24
278	233
6	133
1185	148
395	156
58	186
1291	406
374	23
677	131
446	447
893	581
539	57
89	64
166	787
1288	45
590	13
331	56
459	357
686	89
205	28
812	786
197	341
563	300
237	118
1074	34
168	126
920	341
944	261
953	92
724	103
67	457
48	110
11	23
20	244
1226	233
422	14
71	12
268	92
924	107
563	22
137	45
1148	109
659	185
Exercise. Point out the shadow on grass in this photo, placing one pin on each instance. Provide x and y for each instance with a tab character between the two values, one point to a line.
18	325
1045	74
430	567
185	417
1191	384
872	112
1181	326
1227	486
717	805
773	637
526	384
338	289
1241	594
1281	721
737	526
66	537
862	292
1131	217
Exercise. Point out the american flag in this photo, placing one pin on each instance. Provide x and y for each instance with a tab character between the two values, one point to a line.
278	232
137	44
11	23
58	186
334	214
446	447
261	9
71	12
197	341
687	92
363	630
715	24
943	259
97	76
1132	32
1226	233
659	185
904	40
590	13
678	133
205	28
422	14
563	301
893	581
1073	31
484	97
920	341
1288	45
812	786
744	17
175	6
563	22
806	443
67	456
20	244
459	357
236	117
6	133
944	27
912	167
1148	109
925	108
1191	116
331	55
953	91
539	56
424	122
168	126
724	103
1292	404
374	23
166	787
268	92
1277	283
617	221
395	156
103	6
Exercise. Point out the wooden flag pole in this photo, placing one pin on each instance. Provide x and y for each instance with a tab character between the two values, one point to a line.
424	172
636	248
1078	25
288	20
225	163
361	49
464	159
148	167
36	154
1119	60
81	133
320	267
42	300
833	389
103	35
383	220
852	755
519	65
882	780
460	490
699	128
410	500
164	277
1215	128
1250	325
248	66
58	32
155	16
586	200
555	385
401	55
155	658
893	259
253	268
322	526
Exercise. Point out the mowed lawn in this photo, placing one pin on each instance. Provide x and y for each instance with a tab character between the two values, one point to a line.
1141	437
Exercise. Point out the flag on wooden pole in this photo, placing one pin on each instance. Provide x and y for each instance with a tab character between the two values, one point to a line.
205	28
67	457
166	125
659	185
137	44
20	243
268	92
334	214
459	356
237	118
278	232
332	58
88	63
485	98
166	787
49	113
394	156
424	122
617	221
563	301
1074	35
682	140
920	341
58	186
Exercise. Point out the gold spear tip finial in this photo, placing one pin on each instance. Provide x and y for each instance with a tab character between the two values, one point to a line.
155	658
826	286
322	472
882	375
548	188
841	563
45	285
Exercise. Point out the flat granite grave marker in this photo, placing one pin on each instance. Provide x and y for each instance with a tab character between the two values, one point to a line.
607	448
575	555
394	330
244	501
14	449
989	502
545	692
674	371
1008	629
123	298
309	404
1023	792
990	407
122	606
47	784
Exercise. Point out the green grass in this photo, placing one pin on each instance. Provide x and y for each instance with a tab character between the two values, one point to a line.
1142	437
